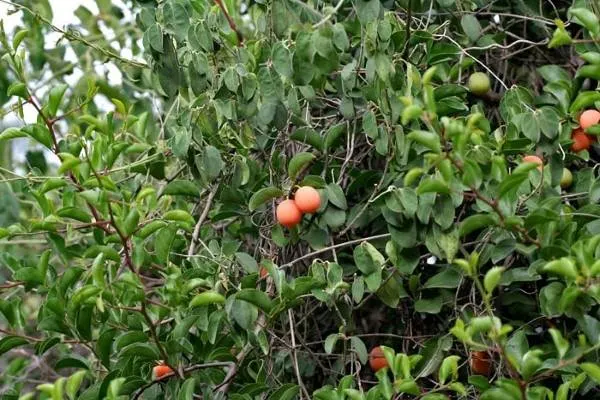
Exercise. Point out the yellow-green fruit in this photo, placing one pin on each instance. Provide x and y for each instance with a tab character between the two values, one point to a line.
479	83
567	179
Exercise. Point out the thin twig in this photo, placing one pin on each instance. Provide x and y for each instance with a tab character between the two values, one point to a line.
209	200
295	355
330	15
336	246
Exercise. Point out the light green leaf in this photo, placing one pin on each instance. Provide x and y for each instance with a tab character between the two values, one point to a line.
264	195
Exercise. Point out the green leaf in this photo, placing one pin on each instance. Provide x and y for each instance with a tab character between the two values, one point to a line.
358	346
178	215
289	391
564	267
282	60
248	262
471	26
18	89
182	188
586	18
449	369
142	350
589	71
448	278
427	139
429	306
492	278
39	133
55	98
71	362
154	36
186	392
336	196
18	38
309	136
164	242
10	342
213	163
74	383
583	100
298	163
390	292
333	134
330	342
264	195
592	370
150	228
259	298
433	185
561	344
12	133
475	222
207	298
369	125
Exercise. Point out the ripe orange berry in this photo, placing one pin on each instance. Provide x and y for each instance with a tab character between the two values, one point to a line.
288	213
534	159
161	370
481	363
589	118
262	272
377	359
307	199
581	141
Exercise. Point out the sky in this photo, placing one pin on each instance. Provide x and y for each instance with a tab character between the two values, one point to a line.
63	16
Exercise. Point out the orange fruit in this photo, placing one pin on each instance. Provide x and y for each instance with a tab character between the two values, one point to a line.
534	159
377	359
161	370
481	363
288	213
581	141
589	118
262	272
307	199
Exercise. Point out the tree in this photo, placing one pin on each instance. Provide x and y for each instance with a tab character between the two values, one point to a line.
146	233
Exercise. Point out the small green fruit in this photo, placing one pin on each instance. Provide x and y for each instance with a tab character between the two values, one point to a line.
479	83
567	179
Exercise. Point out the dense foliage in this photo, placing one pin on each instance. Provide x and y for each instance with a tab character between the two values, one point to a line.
141	228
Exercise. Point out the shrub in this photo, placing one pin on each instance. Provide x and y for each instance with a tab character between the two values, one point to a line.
142	257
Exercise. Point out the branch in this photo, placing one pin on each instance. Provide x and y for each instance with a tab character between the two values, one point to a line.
77	37
185	371
328	17
230	22
337	246
201	219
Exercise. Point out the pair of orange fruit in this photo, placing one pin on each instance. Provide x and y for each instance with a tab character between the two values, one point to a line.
480	361
306	201
581	140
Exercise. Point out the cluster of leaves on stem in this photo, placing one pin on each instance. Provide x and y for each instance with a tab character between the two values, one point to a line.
141	229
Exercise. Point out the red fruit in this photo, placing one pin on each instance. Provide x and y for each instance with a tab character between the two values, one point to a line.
161	370
534	159
262	272
589	118
307	199
288	213
481	363
377	360
581	141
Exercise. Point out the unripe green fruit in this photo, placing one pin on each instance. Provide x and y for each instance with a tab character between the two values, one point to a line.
479	83
567	179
